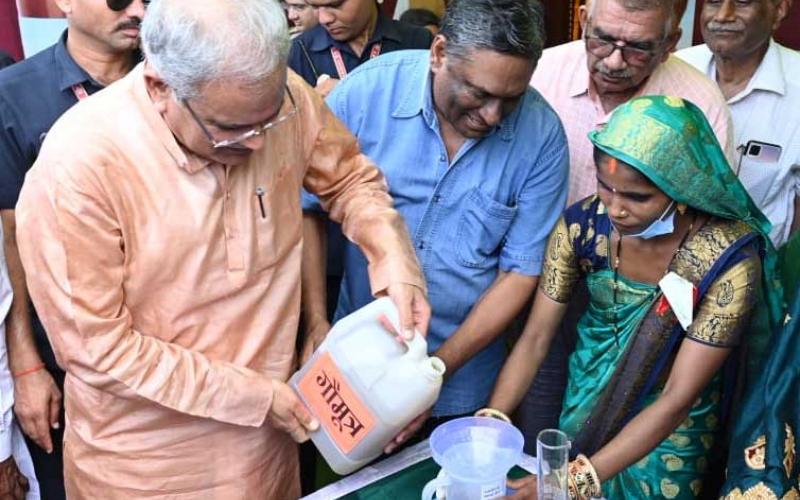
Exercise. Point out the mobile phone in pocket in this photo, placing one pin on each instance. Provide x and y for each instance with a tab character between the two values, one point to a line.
762	152
759	152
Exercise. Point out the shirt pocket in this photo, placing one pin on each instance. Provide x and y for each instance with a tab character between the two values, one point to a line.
278	228
483	225
759	178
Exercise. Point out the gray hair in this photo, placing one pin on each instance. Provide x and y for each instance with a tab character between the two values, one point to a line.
668	7
190	43
513	27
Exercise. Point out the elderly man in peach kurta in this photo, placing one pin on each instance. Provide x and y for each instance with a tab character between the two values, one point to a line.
163	249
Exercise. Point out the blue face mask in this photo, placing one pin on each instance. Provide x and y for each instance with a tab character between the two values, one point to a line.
665	224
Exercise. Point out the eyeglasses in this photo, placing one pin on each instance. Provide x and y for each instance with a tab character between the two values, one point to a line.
247	135
602	48
120	5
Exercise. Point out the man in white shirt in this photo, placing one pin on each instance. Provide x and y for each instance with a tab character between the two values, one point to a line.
761	81
16	469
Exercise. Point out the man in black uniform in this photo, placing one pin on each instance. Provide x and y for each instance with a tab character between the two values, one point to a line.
349	32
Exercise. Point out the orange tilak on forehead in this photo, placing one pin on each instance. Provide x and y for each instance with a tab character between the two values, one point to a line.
613	164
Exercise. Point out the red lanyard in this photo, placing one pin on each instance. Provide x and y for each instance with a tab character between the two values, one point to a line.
79	91
338	60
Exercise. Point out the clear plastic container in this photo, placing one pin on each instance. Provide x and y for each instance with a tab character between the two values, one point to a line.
365	386
552	452
475	453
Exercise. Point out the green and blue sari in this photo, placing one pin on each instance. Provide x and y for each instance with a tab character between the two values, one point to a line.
614	374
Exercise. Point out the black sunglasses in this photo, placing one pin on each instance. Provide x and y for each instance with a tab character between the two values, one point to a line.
119	5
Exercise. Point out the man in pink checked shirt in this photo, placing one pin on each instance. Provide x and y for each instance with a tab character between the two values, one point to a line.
626	51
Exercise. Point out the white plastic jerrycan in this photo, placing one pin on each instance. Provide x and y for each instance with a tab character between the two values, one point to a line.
364	386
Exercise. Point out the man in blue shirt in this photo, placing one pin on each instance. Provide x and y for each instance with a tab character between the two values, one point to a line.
98	47
477	164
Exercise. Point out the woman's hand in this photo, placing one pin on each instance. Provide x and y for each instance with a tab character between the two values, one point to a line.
525	488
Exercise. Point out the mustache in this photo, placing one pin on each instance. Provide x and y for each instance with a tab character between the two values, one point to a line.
620	73
725	27
133	22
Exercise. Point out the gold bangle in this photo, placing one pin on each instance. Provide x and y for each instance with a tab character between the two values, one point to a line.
493	413
597	486
583	479
572	488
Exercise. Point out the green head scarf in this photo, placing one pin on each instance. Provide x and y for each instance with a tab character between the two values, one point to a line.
669	141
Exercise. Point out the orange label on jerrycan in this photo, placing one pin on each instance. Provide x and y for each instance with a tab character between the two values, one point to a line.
340	411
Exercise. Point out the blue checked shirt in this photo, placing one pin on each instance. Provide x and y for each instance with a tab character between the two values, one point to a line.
489	209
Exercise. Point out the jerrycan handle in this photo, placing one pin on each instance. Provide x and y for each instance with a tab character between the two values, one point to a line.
431	366
417	347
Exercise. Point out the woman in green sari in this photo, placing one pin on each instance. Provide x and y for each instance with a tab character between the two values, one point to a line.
674	253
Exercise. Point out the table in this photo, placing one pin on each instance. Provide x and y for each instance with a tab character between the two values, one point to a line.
399	477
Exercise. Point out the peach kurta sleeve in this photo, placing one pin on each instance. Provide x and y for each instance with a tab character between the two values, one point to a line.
354	192
71	243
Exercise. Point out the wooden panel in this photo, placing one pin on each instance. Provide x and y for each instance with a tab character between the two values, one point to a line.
561	21
387	7
10	40
789	32
697	37
435	6
39	8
